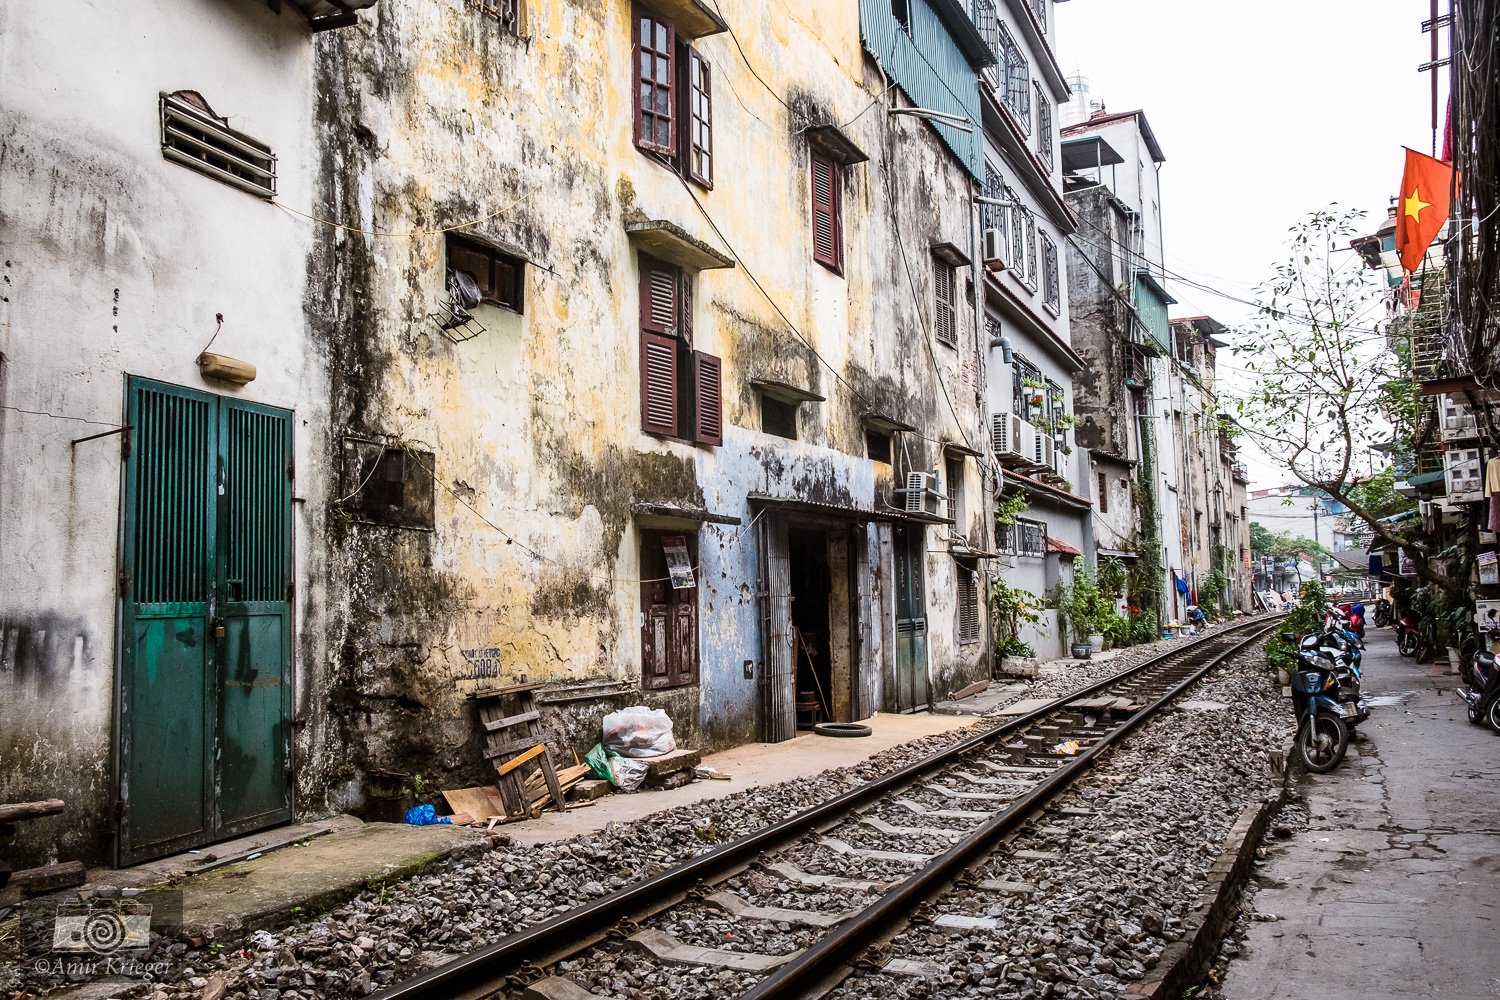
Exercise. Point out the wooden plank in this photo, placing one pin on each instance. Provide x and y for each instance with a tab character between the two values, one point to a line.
49	878
512	746
515	762
511	720
471	801
11	812
501	692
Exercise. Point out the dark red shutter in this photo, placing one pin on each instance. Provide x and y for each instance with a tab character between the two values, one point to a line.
659	288
708	380
653	81
658	384
825	211
682	655
685	307
943	314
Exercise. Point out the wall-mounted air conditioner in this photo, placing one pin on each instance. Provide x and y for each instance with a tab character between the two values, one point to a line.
1027	437
993	250
1456	418
1045	449
921	495
1463	474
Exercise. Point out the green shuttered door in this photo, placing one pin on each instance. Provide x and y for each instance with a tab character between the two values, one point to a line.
205	697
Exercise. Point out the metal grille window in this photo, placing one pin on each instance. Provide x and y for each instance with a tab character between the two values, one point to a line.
1017	90
193	137
507	12
1016	251
1051	280
992	216
1030	238
1039	8
1031	538
967	574
988	23
1022	372
1043	127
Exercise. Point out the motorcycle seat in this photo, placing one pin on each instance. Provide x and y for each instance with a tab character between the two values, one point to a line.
1485	659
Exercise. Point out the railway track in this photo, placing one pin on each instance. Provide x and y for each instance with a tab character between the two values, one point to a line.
862	863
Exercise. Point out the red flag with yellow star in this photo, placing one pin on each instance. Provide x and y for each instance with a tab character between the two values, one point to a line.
1423	206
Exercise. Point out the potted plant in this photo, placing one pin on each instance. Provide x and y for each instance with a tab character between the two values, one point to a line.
1010	609
1078	613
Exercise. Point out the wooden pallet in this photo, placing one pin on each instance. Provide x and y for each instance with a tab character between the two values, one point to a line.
513	743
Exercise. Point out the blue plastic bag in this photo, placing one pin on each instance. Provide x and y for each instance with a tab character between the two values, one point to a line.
425	816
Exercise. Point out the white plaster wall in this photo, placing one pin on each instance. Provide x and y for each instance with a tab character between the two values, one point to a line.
116	262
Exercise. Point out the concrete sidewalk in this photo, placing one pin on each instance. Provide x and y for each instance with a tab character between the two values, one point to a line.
1394	890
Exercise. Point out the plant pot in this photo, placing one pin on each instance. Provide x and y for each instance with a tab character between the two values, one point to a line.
1082	650
1096	642
1018	666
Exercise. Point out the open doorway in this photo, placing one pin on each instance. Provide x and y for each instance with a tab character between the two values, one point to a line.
811	587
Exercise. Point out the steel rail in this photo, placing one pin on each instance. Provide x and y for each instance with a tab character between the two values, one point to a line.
822	966
568	933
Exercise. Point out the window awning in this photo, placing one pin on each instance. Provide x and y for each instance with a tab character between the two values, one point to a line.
673	244
645	511
800	505
1116	554
323	15
785	391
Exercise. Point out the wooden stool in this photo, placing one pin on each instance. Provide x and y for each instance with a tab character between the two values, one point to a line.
807	704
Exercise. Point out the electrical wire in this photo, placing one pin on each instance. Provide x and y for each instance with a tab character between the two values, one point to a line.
410	232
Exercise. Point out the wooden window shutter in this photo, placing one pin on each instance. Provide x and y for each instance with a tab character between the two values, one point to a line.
660	288
682	652
708	380
944	314
654	83
827	240
655	640
968	603
658	383
697	119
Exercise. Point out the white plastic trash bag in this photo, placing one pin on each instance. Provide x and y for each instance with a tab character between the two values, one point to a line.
638	732
627	774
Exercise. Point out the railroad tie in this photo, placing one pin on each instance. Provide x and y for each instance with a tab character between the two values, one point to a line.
794	874
732	904
954	793
959	922
1007	886
1012	768
668	949
558	988
1020	784
907	967
911	857
922	810
877	823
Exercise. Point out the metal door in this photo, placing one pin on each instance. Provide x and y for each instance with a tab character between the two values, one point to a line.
910	689
204	700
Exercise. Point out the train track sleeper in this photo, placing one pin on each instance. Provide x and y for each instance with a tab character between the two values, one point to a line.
558	988
730	903
922	810
814	880
875	822
844	847
666	948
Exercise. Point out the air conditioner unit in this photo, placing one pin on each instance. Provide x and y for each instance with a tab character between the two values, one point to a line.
993	247
921	495
1463	474
1005	435
1045	449
1060	462
1026	438
1456	419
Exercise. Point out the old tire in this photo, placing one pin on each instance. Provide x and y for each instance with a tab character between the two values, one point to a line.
1321	742
844	730
1493	716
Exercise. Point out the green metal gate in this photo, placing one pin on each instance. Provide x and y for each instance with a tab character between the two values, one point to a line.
909	692
205	615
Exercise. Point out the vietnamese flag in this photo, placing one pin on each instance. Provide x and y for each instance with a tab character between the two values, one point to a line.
1423	206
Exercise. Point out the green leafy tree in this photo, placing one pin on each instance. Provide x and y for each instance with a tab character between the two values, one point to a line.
1322	383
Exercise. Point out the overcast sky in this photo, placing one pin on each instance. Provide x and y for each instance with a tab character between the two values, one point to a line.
1265	112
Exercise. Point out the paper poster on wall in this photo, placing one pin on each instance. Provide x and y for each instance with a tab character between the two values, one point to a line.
1489	569
1487	615
679	564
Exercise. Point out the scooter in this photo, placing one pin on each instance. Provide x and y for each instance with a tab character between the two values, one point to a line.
1408	634
1382	613
1322	736
1345	649
1483	693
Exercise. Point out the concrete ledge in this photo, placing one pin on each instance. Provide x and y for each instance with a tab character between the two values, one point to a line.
1183	963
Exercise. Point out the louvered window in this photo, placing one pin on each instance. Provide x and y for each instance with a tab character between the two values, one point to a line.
681	389
827	223
945	308
967	574
193	137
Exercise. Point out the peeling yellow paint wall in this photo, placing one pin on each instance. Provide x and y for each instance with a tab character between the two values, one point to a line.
433	118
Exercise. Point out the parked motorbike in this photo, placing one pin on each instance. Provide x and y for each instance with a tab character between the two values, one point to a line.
1322	735
1408	634
1345	649
1382	613
1482	696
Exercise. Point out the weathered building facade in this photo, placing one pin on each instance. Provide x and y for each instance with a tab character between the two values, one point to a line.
638	350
